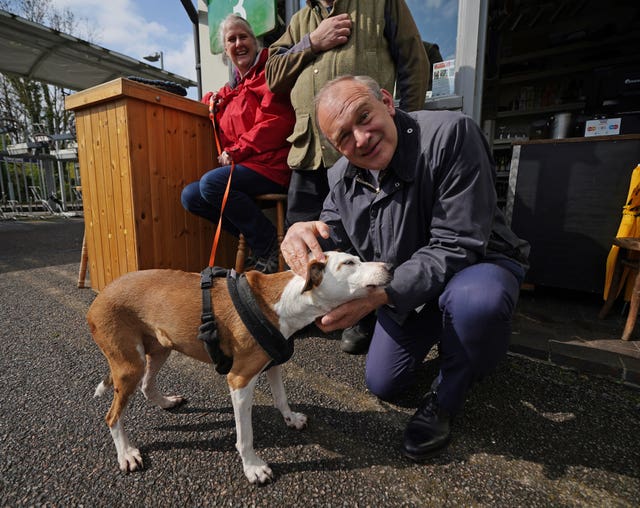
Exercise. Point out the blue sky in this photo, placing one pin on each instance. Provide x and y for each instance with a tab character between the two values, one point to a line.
137	28
437	21
141	27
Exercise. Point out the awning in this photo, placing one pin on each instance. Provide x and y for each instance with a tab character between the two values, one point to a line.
31	50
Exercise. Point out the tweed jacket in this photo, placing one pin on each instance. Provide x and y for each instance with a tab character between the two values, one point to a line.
384	44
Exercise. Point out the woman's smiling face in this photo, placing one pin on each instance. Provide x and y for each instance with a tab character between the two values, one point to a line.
241	47
359	125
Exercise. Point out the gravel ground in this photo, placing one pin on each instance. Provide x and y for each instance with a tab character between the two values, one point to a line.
531	435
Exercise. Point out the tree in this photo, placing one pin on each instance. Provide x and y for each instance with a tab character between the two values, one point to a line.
28	105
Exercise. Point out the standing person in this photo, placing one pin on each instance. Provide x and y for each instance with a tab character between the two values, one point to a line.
253	125
416	190
324	40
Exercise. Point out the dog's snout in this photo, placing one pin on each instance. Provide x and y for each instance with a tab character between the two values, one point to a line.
383	274
388	268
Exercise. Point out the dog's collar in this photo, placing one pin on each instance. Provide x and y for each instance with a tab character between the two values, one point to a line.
265	333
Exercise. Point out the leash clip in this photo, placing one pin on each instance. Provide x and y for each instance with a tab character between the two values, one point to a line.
206	278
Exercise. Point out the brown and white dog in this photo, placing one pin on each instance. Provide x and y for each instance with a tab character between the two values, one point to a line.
140	317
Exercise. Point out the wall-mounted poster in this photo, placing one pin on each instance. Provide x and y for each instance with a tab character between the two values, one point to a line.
443	78
261	15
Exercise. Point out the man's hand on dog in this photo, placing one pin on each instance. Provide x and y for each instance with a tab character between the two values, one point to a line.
348	314
301	238
301	244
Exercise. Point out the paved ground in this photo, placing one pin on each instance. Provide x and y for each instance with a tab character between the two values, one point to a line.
563	327
533	434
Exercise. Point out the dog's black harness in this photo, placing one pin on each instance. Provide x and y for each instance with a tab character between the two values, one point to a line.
268	336
208	331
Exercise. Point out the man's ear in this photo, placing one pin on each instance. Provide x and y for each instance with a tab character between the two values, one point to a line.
387	100
315	272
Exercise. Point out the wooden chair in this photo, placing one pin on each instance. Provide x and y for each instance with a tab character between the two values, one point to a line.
279	201
628	257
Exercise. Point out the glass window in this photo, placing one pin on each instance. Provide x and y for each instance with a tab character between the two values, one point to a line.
437	21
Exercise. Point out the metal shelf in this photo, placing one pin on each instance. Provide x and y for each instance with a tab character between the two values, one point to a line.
570	106
567	48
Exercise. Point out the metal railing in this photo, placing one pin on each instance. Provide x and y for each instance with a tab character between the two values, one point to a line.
40	177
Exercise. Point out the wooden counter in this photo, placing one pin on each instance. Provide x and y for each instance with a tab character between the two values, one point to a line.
566	198
138	146
590	139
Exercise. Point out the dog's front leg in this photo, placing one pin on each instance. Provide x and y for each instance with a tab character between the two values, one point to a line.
255	469
293	420
129	458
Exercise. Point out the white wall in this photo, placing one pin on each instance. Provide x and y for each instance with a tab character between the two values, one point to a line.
470	48
214	73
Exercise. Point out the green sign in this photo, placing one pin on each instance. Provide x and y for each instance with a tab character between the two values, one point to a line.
261	15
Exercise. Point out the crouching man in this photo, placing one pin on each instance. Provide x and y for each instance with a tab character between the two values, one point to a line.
416	190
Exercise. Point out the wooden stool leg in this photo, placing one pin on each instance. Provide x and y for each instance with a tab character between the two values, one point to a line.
614	288
240	255
280	231
633	309
84	257
279	201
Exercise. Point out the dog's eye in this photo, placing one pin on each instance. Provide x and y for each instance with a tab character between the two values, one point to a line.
350	262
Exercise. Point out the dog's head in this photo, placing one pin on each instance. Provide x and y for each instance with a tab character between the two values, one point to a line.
344	277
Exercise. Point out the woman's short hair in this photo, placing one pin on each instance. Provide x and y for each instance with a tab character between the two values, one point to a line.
234	19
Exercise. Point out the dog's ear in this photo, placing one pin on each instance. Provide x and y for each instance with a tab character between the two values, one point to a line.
315	272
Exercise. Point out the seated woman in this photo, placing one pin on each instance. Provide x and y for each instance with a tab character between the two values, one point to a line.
253	126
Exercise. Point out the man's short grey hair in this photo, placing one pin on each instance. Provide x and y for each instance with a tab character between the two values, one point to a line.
371	84
232	20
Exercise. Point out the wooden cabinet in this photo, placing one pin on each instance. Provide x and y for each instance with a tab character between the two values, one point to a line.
138	146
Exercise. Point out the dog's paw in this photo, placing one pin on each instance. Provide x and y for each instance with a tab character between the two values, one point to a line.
171	401
101	389
258	473
296	421
130	460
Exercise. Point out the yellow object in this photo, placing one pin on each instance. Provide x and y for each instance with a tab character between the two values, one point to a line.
629	227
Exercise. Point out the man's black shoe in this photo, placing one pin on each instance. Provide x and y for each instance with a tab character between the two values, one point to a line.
428	431
356	339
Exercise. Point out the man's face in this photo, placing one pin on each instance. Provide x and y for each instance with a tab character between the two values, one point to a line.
360	126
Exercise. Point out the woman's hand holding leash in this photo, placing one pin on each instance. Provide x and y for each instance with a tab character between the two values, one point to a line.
225	159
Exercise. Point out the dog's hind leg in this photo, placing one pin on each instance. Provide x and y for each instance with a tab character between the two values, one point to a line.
293	420
255	469
155	361
104	385
126	372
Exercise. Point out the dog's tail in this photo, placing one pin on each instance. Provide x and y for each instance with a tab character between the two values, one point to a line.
105	384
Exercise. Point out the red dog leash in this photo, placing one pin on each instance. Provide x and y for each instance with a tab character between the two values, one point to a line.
226	192
208	330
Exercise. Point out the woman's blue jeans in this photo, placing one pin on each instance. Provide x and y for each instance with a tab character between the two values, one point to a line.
241	213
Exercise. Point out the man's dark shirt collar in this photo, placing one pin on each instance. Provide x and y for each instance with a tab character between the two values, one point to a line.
315	3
